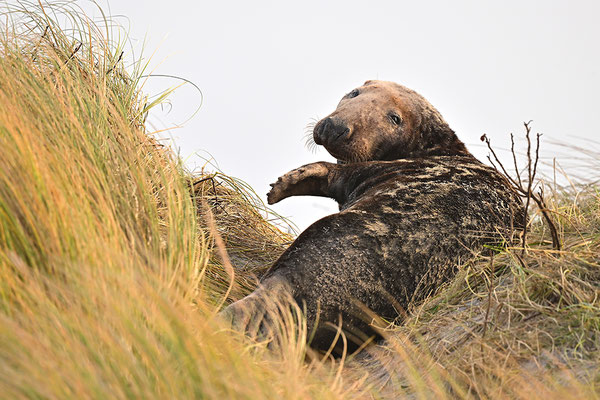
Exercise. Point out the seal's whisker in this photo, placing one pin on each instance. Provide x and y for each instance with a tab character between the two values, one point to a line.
309	141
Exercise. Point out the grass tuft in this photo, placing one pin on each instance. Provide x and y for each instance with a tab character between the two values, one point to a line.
108	276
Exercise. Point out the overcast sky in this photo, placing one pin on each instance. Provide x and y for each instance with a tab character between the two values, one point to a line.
268	68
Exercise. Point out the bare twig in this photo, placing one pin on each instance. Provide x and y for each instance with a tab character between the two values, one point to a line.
115	64
37	46
541	203
518	185
531	176
485	139
514	156
77	48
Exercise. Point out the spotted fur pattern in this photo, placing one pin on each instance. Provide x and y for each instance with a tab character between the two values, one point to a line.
403	227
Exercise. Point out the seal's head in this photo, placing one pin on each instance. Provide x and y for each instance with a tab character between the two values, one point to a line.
385	121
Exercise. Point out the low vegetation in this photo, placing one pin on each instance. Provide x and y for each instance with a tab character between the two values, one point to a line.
114	261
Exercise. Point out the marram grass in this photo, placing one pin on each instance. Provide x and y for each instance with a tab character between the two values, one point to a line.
114	261
104	268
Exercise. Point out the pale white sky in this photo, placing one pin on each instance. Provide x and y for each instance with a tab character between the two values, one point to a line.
268	68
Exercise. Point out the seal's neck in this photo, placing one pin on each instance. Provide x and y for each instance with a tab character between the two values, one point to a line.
441	141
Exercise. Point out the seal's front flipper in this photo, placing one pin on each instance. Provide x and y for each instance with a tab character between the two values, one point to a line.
311	179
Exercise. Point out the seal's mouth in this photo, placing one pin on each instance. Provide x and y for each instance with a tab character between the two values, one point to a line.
337	156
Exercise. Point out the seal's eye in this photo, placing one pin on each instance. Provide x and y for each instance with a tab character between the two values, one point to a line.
396	120
353	93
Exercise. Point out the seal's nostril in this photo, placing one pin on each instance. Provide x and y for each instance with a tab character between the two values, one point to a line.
327	124
339	130
329	129
344	132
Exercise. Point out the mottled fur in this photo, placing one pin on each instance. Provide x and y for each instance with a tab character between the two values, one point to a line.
414	203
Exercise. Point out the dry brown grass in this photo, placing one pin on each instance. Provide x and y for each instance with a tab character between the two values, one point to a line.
107	273
248	229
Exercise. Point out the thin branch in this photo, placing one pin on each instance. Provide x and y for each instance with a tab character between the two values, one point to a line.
518	185
487	141
115	64
529	185
514	156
